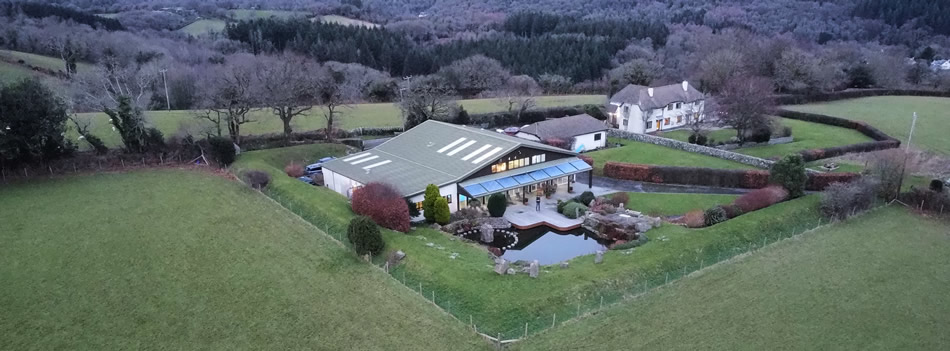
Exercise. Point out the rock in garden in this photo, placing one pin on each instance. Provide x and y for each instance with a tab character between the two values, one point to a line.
399	255
599	257
643	226
501	267
533	269
511	271
488	233
564	265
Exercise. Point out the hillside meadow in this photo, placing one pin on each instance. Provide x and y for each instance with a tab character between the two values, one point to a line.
177	259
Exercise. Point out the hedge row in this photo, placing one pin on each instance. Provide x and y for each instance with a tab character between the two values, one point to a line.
274	140
510	118
882	140
853	94
726	178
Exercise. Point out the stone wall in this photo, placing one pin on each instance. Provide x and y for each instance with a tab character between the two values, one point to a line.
699	149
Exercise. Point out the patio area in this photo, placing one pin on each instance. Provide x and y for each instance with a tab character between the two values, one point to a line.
527	216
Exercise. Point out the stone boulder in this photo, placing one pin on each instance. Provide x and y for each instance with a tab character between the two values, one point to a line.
501	267
622	225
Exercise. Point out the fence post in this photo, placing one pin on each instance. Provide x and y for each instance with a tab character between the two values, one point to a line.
578	310
554	320
667	278
50	168
526	329
601	301
26	173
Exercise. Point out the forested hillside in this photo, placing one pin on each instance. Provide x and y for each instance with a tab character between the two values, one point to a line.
932	13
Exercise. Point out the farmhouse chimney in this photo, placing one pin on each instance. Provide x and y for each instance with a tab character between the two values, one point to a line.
650	92
685	86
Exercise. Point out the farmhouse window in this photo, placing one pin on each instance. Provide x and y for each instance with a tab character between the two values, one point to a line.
679	119
669	107
679	105
649	124
666	122
596	136
625	122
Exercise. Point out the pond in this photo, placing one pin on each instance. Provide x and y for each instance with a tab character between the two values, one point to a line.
544	244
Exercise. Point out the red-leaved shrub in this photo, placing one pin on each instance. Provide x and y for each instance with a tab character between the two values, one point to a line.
383	204
820	181
294	170
761	198
588	159
619	198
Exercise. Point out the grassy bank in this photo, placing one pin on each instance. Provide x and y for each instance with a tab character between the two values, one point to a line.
637	152
356	116
853	286
183	260
893	115
675	204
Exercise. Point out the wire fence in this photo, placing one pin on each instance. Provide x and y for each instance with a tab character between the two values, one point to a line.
89	164
502	333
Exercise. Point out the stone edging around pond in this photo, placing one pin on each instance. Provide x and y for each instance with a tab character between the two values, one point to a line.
699	149
513	238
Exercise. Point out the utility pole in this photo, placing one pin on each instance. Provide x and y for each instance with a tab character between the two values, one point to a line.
168	103
913	124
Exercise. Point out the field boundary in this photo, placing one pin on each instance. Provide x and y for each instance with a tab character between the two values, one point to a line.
699	149
798	99
882	141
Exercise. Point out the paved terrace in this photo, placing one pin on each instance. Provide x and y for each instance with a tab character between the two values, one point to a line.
526	216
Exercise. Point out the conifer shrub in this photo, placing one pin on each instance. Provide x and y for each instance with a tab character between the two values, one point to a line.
365	236
714	216
789	172
442	213
497	204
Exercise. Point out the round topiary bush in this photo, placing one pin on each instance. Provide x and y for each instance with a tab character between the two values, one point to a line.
257	179
585	198
497	204
365	237
573	210
936	185
714	216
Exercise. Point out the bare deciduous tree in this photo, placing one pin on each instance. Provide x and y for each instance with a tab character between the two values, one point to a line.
424	98
333	91
287	87
744	104
231	92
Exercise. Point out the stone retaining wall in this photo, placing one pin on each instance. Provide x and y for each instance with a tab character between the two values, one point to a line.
699	149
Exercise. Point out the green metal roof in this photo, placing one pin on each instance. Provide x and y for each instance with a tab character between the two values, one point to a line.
431	153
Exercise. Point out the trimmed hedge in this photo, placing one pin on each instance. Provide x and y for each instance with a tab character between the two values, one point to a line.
729	178
882	140
726	178
853	94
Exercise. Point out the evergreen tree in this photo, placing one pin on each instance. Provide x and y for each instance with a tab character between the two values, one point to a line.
429	201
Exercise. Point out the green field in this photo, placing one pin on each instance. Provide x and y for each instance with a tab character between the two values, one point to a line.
643	153
807	135
176	259
466	285
243	14
204	26
10	72
360	115
853	286
347	21
674	204
893	115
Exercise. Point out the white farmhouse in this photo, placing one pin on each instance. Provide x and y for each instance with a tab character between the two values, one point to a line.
640	109
940	65
583	132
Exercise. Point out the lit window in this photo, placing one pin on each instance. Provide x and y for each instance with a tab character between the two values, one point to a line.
419	206
448	198
596	136
501	167
666	122
679	119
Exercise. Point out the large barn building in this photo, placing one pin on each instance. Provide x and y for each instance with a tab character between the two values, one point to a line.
465	163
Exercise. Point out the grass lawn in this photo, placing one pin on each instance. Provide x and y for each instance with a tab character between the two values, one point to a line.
893	115
11	72
637	152
467	287
854	285
47	62
175	259
360	115
204	26
674	204
807	135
